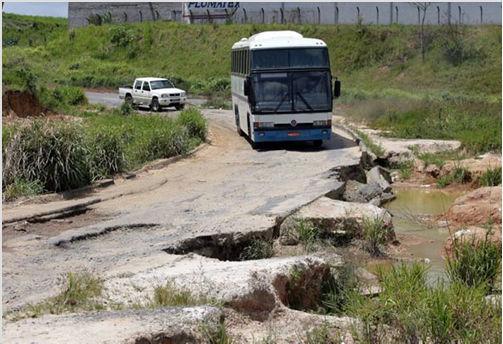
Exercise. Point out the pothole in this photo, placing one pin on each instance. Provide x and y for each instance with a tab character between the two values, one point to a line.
228	246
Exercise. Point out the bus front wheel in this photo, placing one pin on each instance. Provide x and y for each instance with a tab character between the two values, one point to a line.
318	143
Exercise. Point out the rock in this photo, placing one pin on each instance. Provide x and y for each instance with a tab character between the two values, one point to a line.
252	287
419	165
165	325
432	170
476	208
367	193
380	176
476	167
494	300
472	234
395	176
338	219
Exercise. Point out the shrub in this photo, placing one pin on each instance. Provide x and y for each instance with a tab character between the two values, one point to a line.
20	188
126	109
459	175
122	36
195	123
474	263
491	177
53	154
308	234
70	95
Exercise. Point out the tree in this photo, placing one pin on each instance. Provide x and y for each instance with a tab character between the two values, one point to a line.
422	8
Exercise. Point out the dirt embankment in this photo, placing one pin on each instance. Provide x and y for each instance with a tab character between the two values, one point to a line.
21	104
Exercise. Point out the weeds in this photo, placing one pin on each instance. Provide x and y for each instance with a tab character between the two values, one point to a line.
195	123
321	335
169	295
374	147
439	159
80	293
375	235
491	177
308	234
257	249
405	168
337	290
459	175
474	263
220	336
22	188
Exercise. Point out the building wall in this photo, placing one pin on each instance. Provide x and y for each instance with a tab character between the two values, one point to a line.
294	12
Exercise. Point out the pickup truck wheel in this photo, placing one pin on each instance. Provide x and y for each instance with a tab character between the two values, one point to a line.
154	106
128	99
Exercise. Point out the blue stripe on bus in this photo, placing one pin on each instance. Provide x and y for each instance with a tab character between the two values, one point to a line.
291	135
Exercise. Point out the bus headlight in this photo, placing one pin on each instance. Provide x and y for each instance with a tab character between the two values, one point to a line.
258	125
323	123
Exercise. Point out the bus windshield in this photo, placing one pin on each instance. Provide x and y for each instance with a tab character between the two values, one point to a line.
288	92
290	58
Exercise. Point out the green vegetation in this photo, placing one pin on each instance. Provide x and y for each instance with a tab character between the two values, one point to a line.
169	295
375	148
415	312
439	159
405	168
322	335
308	234
80	294
220	336
22	188
491	177
375	235
475	263
30	31
65	155
257	249
459	175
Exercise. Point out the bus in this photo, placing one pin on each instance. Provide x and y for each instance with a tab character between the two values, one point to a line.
282	88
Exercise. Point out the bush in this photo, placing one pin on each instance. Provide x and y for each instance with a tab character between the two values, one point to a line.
257	249
195	123
122	36
491	177
69	95
53	154
474	263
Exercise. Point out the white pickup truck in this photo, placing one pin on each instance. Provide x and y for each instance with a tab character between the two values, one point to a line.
155	93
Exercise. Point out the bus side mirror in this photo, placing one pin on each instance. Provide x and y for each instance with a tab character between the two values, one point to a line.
246	87
337	88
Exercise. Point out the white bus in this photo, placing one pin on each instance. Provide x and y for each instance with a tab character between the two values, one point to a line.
281	88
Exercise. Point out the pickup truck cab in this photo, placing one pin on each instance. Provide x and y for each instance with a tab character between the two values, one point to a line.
154	93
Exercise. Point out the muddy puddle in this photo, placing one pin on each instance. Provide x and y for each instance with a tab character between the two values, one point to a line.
414	211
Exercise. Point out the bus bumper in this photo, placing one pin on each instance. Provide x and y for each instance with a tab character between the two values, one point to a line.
292	135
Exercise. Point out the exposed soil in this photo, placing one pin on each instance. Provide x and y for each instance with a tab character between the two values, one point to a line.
21	104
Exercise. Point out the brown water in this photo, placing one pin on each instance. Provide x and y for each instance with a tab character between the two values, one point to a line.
413	210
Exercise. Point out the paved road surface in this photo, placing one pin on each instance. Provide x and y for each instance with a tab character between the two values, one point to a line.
225	187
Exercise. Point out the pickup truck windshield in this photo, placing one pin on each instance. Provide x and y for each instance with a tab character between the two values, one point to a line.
291	92
159	84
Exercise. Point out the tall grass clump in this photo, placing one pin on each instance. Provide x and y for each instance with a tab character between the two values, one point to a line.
409	311
20	188
475	262
491	177
169	295
257	249
195	123
106	152
375	235
53	154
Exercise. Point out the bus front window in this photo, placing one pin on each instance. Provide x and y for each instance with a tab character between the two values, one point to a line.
289	92
271	92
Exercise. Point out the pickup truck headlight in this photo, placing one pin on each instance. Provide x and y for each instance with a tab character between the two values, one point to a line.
324	123
258	125
182	94
164	95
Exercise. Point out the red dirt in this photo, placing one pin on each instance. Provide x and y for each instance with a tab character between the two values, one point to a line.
21	104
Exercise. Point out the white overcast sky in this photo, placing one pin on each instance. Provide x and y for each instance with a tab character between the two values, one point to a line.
48	9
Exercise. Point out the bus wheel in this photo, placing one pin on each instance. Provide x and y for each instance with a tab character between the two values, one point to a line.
318	143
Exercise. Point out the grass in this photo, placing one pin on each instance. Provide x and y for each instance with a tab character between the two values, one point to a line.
220	336
474	263
415	312
80	293
64	155
168	295
491	177
440	158
257	249
374	147
308	234
22	188
405	168
459	175
375	235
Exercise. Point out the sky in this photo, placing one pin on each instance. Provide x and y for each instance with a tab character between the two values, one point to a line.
50	9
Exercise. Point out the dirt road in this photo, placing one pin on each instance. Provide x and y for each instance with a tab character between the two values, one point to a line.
111	99
225	187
